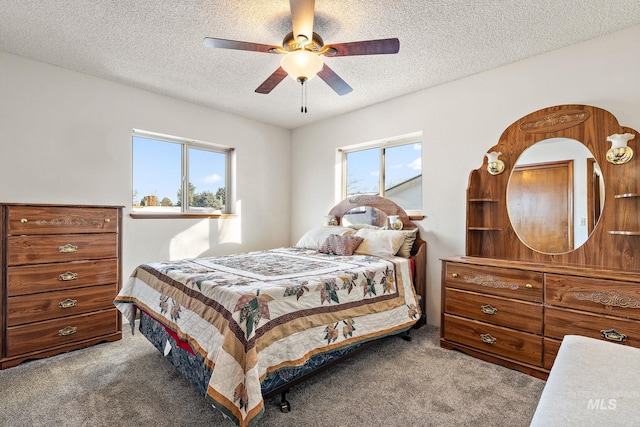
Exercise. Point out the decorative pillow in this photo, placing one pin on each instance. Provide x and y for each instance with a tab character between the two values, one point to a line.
340	245
409	237
315	237
379	242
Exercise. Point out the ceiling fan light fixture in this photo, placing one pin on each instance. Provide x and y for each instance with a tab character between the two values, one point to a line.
301	64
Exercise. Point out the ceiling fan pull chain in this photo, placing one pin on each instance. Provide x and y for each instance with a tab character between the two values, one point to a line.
303	94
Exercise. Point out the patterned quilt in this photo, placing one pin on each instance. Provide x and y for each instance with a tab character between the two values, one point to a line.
251	314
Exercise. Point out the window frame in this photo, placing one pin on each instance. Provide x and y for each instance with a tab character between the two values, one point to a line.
382	145
186	144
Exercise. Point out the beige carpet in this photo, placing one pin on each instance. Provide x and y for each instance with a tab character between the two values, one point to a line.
396	383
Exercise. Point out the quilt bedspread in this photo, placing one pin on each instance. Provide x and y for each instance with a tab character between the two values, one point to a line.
251	314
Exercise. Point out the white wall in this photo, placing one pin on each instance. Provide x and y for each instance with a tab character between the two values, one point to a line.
65	137
461	121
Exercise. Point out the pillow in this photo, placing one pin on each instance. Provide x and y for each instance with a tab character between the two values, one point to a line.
315	237
409	237
379	242
340	245
360	226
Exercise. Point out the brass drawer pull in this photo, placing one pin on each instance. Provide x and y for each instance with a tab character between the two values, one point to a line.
67	330
24	220
488	339
454	275
488	309
613	335
65	277
107	220
68	248
528	286
68	303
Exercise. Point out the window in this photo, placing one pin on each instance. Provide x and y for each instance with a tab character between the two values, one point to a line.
392	169
177	176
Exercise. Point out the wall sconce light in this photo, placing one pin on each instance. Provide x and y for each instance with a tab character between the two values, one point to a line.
619	153
495	166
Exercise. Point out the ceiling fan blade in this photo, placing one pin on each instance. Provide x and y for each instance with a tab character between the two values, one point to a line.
272	81
302	12
367	47
334	81
237	45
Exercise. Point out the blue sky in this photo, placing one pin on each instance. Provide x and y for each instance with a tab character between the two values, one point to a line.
402	163
157	169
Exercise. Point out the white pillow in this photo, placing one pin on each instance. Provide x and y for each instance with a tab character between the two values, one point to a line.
379	242
315	237
409	237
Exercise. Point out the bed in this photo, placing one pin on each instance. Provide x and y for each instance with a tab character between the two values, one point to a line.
245	327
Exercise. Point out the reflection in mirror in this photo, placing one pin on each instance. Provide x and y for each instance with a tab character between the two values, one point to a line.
364	215
555	195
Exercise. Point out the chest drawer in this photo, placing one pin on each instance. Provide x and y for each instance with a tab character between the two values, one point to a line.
61	220
510	283
60	248
58	332
29	279
560	322
515	345
597	295
50	305
524	316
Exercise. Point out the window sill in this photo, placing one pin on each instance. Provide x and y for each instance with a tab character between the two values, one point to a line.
136	215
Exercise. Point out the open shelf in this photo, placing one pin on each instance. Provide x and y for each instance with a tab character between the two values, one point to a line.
626	195
624	233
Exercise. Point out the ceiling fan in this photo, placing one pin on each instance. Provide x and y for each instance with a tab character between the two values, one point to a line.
302	49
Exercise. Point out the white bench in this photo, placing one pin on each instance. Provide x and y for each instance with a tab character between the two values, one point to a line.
592	383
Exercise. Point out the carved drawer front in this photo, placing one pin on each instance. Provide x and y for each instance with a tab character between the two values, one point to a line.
508	343
560	322
597	295
51	333
29	279
60	248
511	283
51	305
551	348
61	220
524	316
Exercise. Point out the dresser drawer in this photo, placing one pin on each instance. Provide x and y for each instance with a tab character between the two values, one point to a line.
51	305
524	316
29	279
551	348
60	248
52	333
560	322
597	295
514	345
511	283
61	220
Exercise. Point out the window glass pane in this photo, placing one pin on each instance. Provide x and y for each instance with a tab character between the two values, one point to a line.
206	180
363	172
403	175
157	167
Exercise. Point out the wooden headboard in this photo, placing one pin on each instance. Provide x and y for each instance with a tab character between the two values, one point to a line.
387	208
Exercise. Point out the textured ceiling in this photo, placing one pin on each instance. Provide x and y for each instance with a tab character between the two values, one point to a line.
157	45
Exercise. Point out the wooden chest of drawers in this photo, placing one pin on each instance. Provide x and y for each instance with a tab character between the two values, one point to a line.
61	271
517	313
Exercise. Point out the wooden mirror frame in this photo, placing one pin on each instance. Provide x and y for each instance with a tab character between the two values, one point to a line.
615	241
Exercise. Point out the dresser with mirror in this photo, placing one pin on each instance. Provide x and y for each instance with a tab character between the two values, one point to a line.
552	241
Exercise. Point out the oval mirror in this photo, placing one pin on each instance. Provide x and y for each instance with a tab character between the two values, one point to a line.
555	195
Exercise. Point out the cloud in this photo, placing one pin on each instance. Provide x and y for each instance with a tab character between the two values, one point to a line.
416	164
211	179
